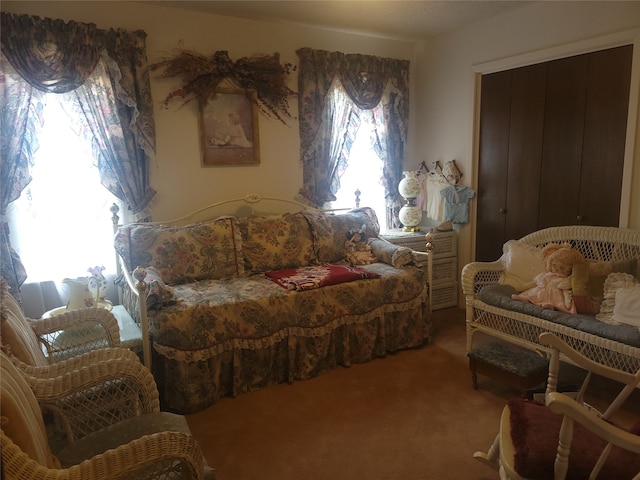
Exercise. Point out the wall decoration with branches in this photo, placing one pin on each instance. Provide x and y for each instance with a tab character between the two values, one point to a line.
202	75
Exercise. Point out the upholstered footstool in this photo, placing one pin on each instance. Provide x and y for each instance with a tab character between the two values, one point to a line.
518	367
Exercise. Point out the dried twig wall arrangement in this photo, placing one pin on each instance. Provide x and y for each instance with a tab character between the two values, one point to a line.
202	75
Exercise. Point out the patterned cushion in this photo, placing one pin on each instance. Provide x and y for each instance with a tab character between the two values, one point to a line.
207	250
394	255
273	242
330	231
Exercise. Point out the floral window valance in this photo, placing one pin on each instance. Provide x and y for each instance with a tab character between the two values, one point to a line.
371	83
54	56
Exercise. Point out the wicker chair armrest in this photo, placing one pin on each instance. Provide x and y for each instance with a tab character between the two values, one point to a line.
150	457
102	325
476	275
75	363
96	396
71	318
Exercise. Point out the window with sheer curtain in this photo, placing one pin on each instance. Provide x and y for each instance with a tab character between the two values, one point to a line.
60	225
348	101
42	56
363	168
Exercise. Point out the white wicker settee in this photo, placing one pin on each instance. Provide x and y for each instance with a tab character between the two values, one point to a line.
490	309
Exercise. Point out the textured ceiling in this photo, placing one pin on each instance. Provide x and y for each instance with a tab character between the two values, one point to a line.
399	19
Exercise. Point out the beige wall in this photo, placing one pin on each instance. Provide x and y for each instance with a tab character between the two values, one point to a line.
446	80
176	175
442	96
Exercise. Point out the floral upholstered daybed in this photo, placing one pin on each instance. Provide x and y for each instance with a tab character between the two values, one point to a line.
606	289
236	304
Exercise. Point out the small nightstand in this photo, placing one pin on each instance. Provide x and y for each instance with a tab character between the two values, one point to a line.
445	262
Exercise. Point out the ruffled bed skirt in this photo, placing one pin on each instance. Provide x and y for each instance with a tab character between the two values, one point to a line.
195	379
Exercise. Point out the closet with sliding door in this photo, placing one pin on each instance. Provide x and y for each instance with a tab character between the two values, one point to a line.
551	146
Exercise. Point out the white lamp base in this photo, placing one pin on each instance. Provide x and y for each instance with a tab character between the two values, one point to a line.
410	216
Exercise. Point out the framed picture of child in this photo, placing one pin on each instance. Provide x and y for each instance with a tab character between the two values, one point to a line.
229	129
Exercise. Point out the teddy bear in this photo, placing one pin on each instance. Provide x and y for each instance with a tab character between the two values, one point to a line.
553	286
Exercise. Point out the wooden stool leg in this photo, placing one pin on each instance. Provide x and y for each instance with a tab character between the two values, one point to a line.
474	375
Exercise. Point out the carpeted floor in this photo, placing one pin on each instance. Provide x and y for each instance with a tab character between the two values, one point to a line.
411	415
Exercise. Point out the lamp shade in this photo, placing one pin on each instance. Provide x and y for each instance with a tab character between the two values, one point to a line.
410	185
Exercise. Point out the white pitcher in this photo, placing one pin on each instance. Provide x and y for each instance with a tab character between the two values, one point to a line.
79	294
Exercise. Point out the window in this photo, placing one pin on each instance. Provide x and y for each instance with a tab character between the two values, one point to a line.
60	225
363	173
362	168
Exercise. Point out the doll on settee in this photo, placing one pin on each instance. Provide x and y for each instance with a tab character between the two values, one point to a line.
358	250
553	286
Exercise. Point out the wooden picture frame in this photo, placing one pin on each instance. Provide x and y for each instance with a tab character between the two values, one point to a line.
229	129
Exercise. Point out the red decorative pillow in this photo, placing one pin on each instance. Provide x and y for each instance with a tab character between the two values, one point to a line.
314	276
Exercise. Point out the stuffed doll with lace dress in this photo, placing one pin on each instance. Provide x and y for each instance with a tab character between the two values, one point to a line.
553	286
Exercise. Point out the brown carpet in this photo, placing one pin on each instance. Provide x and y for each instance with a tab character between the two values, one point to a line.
410	415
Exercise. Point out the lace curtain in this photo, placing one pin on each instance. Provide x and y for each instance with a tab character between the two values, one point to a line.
56	57
379	85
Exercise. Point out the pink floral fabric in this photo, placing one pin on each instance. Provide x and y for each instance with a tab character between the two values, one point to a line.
207	250
236	335
276	241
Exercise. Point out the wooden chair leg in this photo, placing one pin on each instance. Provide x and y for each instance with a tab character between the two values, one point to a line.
491	457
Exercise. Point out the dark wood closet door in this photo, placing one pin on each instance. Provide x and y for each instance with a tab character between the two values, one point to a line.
525	150
563	139
511	129
605	136
552	140
494	157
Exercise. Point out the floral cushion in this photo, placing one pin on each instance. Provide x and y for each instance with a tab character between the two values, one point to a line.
273	242
330	231
394	255
207	250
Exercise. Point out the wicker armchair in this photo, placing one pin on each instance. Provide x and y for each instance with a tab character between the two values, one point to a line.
109	423
63	336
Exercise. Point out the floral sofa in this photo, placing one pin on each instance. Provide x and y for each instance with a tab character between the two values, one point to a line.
606	290
236	304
